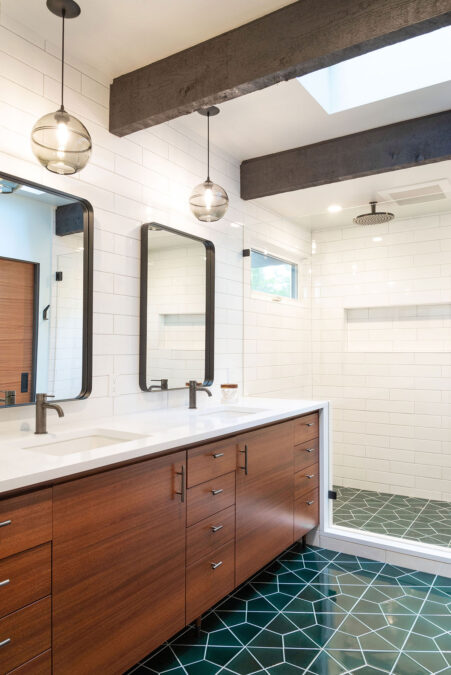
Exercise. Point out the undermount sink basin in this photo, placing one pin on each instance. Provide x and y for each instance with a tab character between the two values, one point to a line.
82	442
232	411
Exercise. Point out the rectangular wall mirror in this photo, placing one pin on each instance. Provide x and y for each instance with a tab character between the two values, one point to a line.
177	309
46	243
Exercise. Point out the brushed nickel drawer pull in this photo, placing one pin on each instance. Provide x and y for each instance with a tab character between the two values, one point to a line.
217	492
216	455
215	565
309	449
5	642
216	528
310	502
4	583
5	523
309	424
310	475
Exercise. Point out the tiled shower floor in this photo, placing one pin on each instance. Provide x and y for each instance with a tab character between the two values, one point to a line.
319	612
422	520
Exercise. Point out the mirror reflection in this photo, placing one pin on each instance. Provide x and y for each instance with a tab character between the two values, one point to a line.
43	236
177	309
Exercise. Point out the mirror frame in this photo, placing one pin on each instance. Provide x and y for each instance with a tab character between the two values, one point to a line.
209	305
88	254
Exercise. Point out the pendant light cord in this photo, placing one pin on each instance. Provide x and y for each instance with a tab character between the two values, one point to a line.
62	63
208	146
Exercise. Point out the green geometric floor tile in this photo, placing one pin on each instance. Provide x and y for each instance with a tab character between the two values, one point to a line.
318	612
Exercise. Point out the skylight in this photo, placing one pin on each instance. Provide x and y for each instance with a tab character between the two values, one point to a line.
406	66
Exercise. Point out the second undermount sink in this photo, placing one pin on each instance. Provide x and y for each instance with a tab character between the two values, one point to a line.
232	411
68	444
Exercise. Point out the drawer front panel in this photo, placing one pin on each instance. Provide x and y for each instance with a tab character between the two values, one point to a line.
208	535
306	513
24	635
306	480
306	428
24	578
25	521
209	580
208	498
209	461
306	454
40	665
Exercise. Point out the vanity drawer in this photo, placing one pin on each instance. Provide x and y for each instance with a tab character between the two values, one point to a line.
306	427
24	578
209	461
209	580
306	454
24	634
40	665
208	498
306	480
25	521
208	535
306	513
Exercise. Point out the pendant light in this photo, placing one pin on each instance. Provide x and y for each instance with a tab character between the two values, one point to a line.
60	141
208	201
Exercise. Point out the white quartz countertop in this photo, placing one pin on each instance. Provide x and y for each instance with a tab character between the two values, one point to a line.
24	463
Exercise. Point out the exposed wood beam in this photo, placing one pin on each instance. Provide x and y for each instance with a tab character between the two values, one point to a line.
397	146
297	39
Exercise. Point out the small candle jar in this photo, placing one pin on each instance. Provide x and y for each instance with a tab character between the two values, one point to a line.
229	393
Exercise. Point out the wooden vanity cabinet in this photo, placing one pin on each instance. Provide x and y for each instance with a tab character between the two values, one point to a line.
118	565
264	497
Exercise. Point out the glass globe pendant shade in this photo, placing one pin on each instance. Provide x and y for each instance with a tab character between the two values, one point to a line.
208	201
61	142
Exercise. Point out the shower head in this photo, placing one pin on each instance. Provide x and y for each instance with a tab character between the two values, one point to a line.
373	218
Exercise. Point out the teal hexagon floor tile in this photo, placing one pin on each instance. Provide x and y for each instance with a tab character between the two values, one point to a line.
244	663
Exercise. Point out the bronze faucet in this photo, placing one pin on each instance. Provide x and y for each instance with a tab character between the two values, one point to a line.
42	406
194	387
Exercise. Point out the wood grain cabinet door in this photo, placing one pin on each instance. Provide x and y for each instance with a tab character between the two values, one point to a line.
118	566
264	497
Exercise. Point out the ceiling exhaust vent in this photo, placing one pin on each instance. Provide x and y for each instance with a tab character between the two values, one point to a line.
417	194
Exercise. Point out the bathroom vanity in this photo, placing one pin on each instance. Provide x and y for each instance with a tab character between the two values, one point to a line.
98	566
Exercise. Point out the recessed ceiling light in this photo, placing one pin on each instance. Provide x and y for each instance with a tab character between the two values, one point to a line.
377	238
334	208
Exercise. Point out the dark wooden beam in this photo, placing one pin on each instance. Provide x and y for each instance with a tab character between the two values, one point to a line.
397	146
297	39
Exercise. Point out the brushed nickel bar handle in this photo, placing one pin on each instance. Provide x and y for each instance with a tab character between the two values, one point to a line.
309	449
215	565
182	490
310	502
310	475
216	528
245	459
309	424
216	455
217	492
5	582
5	642
5	523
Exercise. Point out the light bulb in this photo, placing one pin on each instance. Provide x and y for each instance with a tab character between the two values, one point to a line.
62	135
208	198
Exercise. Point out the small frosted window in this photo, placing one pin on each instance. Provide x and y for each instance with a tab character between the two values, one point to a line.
273	275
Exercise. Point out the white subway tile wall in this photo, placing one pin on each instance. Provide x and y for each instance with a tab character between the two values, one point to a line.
381	343
147	176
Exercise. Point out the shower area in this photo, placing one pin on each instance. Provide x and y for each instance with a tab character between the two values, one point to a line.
381	353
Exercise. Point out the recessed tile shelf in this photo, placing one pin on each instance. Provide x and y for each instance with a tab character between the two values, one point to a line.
316	612
402	328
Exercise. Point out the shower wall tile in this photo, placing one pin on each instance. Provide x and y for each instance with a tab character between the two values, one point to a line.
381	348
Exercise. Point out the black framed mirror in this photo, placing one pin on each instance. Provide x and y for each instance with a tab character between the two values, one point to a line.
46	263
177	309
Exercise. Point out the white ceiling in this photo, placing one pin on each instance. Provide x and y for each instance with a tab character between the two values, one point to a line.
116	36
